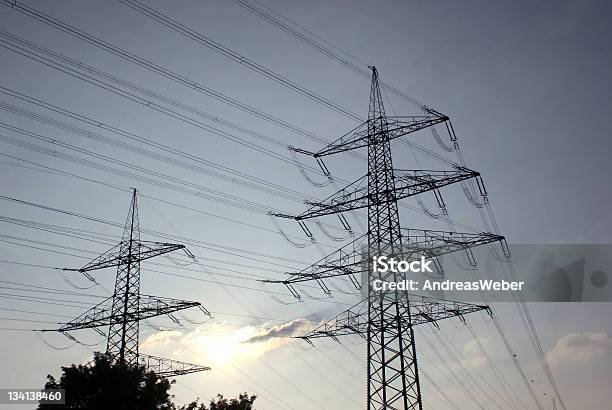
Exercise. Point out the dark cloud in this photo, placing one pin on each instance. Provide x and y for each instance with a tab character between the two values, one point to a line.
289	329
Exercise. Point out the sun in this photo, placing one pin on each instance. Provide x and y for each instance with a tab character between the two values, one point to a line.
221	349
221	345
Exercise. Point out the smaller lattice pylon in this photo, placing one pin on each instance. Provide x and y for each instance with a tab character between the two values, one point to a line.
127	307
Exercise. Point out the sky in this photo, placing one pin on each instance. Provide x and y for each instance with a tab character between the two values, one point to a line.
525	84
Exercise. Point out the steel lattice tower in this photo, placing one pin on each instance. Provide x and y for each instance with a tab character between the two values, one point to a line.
385	318
127	307
392	364
123	335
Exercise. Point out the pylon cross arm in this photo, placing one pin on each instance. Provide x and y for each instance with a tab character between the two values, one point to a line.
162	306
395	128
433	243
422	310
149	306
351	259
149	249
167	367
118	255
347	260
407	183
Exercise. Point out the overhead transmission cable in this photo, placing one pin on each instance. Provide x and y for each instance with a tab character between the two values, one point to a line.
189	241
192	84
236	57
165	110
52	290
275	18
37	167
188	82
458	380
234	177
156	271
243	275
86	73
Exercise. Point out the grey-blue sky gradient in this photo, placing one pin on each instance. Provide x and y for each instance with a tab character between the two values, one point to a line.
527	86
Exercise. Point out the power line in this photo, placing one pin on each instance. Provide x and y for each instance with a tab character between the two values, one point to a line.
167	273
192	84
457	356
191	109
126	189
40	299
194	242
257	184
269	188
500	376
150	176
236	57
34	312
55	290
458	380
251	277
267	14
219	313
147	64
159	108
192	34
175	77
62	63
28	320
54	171
198	37
62	231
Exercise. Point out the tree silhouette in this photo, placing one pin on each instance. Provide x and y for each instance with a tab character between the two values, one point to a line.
104	384
243	402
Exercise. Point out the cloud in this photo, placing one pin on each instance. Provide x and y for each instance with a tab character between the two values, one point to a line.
264	339
474	362
160	339
219	343
474	356
471	347
581	347
284	330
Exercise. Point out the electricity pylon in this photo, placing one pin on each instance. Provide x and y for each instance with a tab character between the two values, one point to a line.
386	318
124	311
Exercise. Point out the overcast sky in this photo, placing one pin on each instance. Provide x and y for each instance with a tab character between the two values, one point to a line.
526	84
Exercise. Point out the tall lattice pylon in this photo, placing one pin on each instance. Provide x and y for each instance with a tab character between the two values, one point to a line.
386	318
123	335
392	363
127	307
